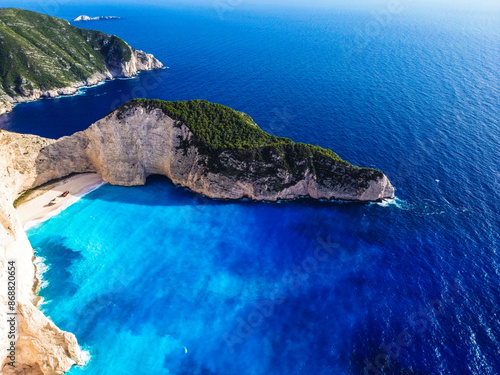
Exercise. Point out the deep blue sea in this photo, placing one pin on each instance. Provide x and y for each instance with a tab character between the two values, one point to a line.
157	280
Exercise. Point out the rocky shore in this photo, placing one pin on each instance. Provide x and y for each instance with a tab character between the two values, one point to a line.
41	347
140	61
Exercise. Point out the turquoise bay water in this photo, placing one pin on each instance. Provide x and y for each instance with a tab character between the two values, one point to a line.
163	279
158	280
156	277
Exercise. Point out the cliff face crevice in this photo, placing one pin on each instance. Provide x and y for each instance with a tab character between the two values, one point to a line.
125	148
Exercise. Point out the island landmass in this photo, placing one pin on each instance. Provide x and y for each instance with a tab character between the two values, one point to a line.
44	56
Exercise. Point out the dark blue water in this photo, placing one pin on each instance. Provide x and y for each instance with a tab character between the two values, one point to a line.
157	278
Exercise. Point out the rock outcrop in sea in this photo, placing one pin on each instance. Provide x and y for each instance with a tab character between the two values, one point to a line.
99	18
205	147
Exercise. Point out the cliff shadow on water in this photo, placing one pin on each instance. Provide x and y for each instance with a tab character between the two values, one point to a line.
313	218
176	195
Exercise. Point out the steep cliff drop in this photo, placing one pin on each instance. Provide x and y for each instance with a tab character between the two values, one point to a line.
209	148
41	348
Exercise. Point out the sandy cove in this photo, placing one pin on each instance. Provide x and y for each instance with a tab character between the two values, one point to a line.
47	200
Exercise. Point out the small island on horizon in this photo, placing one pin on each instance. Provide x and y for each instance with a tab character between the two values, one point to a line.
99	18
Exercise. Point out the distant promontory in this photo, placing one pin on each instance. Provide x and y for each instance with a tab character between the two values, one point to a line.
43	56
100	18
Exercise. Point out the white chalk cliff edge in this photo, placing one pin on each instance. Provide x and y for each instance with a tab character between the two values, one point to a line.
41	347
125	147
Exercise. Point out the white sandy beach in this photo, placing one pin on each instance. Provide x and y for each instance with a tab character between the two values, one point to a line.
44	202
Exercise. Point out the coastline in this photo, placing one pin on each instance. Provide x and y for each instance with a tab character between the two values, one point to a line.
34	207
78	88
10	102
40	346
65	92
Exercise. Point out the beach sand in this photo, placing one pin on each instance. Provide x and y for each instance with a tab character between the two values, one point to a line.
34	206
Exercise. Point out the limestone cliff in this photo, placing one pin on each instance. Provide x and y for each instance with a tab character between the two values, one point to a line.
136	141
208	148
41	347
140	139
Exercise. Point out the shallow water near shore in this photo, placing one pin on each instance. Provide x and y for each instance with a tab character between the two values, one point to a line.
158	279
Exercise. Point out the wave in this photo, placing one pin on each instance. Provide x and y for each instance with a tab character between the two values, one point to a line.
393	202
41	269
86	357
82	90
126	78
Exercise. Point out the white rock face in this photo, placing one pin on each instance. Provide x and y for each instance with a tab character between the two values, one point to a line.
41	348
139	61
125	148
83	18
5	106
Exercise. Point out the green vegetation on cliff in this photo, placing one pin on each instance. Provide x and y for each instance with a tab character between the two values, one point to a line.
220	127
221	130
214	125
43	52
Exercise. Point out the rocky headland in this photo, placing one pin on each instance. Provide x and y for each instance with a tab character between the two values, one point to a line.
45	57
210	149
